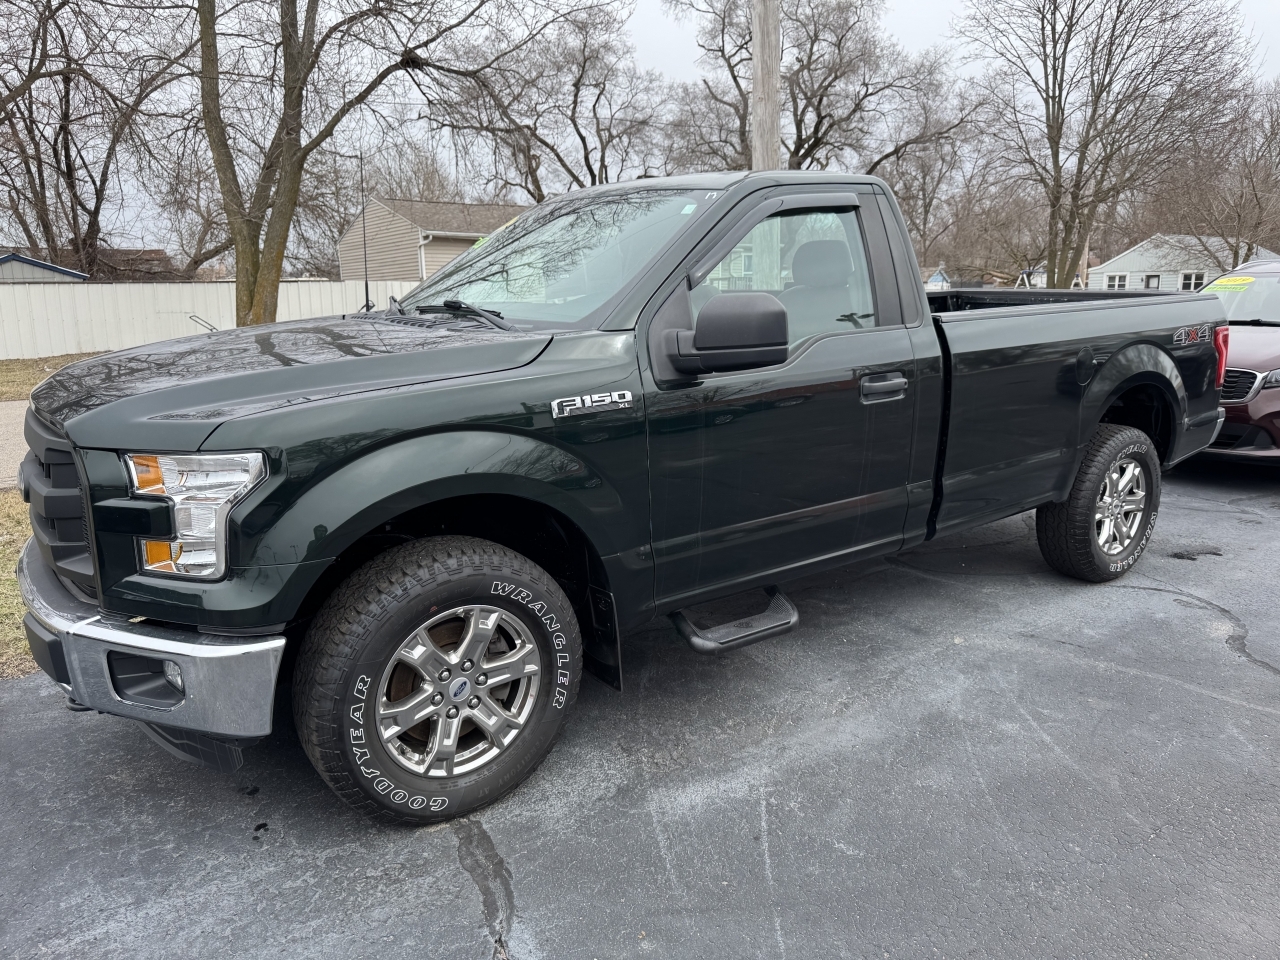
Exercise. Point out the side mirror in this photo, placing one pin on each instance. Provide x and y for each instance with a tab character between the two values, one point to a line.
735	331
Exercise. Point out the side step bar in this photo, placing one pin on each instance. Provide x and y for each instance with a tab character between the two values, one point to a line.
781	617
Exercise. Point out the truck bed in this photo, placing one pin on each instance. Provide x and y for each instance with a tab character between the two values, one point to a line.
1030	373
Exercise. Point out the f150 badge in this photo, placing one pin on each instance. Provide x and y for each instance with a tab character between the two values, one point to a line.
590	402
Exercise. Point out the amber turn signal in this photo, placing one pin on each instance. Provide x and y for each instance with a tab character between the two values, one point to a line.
160	554
147	477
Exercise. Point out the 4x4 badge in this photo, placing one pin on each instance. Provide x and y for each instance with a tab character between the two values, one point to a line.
590	402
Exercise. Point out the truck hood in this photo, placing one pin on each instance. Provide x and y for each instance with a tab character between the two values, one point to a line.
172	395
1254	348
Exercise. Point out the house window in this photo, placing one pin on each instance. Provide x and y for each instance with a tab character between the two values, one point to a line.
1151	281
1117	281
1192	280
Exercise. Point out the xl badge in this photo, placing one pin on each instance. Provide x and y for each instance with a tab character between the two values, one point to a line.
587	403
1193	334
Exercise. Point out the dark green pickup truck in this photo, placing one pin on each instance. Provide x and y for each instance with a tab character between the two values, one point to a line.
428	521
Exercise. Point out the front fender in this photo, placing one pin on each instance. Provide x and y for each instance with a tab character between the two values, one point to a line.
403	476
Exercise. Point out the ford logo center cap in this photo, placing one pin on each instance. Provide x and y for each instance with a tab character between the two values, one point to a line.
461	687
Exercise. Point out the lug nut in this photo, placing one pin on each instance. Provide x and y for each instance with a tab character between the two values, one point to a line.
467	665
438	699
451	712
473	702
445	674
482	680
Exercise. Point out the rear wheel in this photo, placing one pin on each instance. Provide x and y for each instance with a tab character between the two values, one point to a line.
436	679
1103	527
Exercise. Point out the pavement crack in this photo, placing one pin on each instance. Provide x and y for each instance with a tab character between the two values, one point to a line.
1237	640
480	858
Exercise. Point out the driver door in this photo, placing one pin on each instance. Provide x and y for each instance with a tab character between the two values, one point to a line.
759	474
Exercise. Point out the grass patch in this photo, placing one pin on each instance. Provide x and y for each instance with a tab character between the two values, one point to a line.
15	527
19	377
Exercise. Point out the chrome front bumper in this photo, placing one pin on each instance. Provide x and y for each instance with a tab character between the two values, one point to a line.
228	685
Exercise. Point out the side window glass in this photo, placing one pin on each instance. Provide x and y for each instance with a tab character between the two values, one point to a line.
814	261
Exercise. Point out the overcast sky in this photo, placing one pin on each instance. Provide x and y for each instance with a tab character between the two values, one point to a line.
667	45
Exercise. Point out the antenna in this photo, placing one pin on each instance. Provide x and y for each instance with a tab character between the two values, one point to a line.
364	235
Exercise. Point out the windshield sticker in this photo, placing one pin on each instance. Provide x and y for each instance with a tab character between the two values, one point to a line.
1200	334
591	402
1231	283
688	209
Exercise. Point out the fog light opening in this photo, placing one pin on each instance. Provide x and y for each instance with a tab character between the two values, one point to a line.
173	673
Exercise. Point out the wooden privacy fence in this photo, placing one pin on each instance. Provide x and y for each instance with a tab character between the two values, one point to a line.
49	319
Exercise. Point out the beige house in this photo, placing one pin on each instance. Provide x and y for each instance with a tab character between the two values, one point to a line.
412	239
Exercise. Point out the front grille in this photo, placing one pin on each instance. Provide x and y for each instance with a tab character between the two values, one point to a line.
59	521
1237	385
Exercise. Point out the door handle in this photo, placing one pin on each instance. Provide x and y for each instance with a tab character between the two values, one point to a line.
891	388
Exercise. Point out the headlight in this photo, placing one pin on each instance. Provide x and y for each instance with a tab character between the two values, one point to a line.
202	489
1272	379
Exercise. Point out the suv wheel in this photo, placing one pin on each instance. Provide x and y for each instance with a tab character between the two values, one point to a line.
1103	527
436	678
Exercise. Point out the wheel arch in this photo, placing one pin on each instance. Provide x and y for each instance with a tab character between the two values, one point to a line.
521	492
1140	386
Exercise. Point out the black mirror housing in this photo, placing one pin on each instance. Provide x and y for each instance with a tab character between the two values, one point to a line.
735	331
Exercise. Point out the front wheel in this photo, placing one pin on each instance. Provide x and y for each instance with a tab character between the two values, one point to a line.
1103	527
436	678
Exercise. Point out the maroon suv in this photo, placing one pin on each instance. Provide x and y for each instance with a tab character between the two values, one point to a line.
1251	389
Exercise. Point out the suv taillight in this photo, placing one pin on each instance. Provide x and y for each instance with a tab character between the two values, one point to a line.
1220	337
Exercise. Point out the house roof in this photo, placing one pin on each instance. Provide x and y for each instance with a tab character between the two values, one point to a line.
1183	244
463	219
33	262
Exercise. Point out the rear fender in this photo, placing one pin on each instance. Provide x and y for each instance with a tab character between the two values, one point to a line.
1133	366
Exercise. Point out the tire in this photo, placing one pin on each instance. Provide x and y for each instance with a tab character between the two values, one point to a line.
390	630
1072	535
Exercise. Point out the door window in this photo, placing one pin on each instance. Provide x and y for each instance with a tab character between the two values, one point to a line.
814	261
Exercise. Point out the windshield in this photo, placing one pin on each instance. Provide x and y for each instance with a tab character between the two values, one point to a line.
564	262
1249	297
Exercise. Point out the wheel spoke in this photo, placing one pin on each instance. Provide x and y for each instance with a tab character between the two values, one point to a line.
445	747
1127	479
395	718
521	662
482	623
498	725
422	655
1107	532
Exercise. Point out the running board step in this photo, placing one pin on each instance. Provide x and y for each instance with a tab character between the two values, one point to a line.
781	617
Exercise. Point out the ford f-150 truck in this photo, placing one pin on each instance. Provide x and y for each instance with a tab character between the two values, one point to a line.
424	523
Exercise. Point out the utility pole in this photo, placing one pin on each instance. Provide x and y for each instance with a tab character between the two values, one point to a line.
766	84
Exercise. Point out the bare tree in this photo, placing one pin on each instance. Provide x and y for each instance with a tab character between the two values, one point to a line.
278	79
851	97
1094	98
1235	180
27	55
62	134
570	110
711	127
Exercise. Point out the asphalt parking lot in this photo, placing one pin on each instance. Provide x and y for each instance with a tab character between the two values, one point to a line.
958	754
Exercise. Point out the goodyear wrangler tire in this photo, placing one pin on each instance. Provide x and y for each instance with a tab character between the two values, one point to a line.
1104	526
436	678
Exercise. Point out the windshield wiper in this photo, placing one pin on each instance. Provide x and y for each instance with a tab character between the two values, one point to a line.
461	306
1255	322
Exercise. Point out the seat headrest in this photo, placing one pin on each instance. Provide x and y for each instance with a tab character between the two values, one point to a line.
822	263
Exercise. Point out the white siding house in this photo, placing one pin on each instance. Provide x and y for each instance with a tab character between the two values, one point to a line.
412	239
1164	262
15	268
